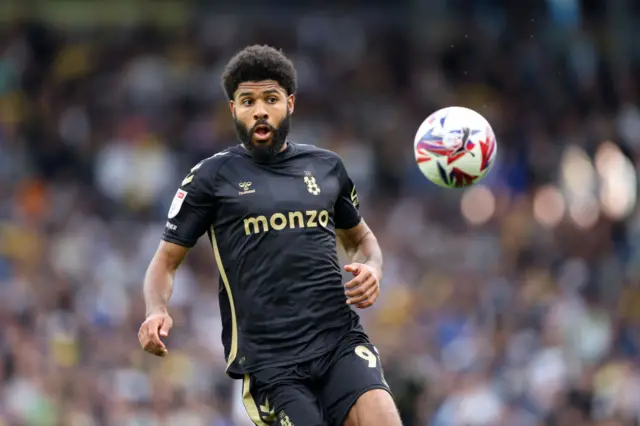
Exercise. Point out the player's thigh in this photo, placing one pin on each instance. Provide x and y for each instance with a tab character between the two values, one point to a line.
351	381
283	403
374	408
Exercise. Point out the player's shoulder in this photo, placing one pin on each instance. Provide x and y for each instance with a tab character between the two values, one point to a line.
320	153
212	165
203	174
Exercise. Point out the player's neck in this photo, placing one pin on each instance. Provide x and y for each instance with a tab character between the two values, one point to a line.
284	146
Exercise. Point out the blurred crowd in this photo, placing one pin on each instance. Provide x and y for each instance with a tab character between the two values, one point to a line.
493	316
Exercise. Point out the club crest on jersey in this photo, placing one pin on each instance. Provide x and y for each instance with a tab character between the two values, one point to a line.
312	185
176	204
284	419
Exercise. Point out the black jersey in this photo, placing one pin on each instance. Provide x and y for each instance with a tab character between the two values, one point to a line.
273	231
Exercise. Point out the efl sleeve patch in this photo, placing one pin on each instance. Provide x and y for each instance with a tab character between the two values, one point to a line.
176	204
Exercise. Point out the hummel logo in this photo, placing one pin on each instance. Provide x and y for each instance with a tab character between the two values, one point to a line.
245	188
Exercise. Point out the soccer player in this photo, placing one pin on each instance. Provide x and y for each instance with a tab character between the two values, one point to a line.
272	210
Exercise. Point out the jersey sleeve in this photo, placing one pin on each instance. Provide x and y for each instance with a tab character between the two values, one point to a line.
346	209
193	207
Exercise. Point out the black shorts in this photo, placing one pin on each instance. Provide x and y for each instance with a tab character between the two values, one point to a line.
319	392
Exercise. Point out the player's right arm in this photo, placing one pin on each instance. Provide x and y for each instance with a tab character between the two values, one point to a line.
158	286
190	215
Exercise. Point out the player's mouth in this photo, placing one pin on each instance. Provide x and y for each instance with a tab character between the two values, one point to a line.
262	133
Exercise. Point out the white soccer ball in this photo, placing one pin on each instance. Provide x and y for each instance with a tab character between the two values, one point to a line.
455	147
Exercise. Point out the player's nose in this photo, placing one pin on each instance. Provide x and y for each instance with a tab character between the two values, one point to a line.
261	116
260	113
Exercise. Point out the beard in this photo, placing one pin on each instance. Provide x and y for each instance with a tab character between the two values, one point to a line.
264	152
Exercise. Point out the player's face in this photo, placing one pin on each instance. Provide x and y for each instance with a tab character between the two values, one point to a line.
261	111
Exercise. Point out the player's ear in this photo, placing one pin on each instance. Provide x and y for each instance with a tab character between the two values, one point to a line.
291	103
232	107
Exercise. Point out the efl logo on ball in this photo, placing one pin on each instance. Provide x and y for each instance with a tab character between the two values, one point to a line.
455	147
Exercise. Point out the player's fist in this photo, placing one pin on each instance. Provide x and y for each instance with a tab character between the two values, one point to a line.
156	326
362	291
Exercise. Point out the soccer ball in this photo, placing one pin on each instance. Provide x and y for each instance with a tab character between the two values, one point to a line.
455	147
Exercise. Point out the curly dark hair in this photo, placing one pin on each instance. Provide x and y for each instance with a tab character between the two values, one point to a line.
258	63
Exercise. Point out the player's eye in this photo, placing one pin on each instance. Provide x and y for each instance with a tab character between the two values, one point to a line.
246	102
272	99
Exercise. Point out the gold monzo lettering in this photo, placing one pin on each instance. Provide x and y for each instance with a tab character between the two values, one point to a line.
291	220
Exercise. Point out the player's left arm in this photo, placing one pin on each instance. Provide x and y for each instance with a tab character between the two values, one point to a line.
363	249
359	243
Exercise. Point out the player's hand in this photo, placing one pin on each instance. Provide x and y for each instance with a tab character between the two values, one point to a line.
156	326
362	291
